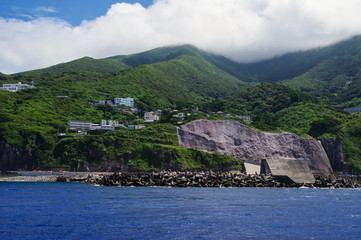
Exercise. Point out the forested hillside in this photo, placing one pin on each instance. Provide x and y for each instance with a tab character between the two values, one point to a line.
335	78
315	86
332	73
159	78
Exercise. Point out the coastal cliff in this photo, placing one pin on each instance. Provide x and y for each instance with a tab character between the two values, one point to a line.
334	150
242	142
14	158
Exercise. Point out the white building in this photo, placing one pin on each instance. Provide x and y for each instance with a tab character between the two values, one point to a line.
129	102
79	125
107	128
114	123
109	124
95	126
150	117
353	110
16	86
135	126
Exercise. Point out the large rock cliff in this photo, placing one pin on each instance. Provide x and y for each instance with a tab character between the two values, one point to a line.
237	140
334	150
14	158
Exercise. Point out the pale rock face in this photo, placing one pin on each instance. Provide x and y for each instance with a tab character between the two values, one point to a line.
237	140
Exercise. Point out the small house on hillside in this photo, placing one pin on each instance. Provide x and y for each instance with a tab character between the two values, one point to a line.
150	117
129	102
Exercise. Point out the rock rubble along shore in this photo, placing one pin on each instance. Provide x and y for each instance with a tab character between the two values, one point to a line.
212	179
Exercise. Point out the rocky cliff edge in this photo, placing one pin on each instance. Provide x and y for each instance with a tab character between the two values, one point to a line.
237	140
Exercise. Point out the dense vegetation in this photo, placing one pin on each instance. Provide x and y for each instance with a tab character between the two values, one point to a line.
145	149
326	79
337	77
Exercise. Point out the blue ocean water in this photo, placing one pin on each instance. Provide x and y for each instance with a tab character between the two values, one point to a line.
82	211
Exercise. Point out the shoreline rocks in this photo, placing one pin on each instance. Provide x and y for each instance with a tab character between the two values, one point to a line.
216	179
189	179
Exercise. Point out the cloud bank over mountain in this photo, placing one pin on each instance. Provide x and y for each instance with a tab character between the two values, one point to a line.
243	30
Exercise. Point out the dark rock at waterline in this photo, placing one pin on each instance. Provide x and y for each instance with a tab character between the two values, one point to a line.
216	179
14	158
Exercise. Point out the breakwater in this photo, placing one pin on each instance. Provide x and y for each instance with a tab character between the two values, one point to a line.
212	179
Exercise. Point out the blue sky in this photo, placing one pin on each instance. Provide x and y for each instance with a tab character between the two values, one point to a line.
72	11
39	33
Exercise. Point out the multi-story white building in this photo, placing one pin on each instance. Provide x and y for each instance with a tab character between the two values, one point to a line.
79	125
16	86
109	124
129	102
86	125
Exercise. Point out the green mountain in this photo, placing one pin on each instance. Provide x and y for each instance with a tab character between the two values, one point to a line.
176	77
337	77
160	77
332	73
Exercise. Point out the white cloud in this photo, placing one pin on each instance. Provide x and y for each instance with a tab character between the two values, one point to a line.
43	9
244	30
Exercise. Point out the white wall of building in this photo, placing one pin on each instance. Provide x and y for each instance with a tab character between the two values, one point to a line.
129	102
16	87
